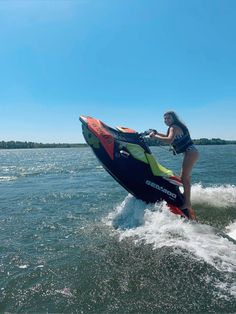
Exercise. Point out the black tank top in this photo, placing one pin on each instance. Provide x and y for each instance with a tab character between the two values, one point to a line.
181	142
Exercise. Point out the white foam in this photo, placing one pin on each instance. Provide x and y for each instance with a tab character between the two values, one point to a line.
231	230
7	178
65	292
223	196
23	266
129	214
156	225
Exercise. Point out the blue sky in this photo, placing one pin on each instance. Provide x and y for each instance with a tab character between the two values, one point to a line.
124	62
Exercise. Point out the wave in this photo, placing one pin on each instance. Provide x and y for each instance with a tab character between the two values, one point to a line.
223	196
130	213
7	178
231	230
155	225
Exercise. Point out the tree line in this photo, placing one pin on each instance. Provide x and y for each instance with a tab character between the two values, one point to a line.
213	141
18	144
151	142
201	141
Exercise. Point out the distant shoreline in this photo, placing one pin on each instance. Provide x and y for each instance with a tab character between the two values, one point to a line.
29	145
201	141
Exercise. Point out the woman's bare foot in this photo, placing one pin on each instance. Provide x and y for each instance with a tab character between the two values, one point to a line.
192	214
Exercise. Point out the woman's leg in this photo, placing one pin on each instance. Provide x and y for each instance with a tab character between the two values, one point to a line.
190	157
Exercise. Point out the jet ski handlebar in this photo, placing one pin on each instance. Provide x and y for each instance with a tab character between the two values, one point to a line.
148	132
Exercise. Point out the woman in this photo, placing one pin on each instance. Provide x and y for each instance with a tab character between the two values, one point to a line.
178	136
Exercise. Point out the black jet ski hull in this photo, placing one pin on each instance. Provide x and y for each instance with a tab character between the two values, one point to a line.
127	158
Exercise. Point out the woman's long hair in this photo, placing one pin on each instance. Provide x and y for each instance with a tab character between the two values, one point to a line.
177	122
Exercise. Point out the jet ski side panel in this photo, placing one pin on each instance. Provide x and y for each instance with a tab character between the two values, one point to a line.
134	174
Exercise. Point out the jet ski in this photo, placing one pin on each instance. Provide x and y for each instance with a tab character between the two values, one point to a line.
125	155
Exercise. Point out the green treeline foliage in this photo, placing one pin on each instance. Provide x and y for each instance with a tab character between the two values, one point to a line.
151	142
17	144
213	141
201	141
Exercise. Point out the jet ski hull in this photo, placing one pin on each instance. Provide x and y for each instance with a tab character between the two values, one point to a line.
127	158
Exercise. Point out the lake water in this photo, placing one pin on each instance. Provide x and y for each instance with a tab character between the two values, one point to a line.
73	240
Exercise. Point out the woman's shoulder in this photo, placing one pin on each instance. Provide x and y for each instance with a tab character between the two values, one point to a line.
177	128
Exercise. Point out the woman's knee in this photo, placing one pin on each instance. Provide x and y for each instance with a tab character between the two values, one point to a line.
186	179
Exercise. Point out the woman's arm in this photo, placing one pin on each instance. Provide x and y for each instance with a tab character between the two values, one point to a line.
164	138
161	134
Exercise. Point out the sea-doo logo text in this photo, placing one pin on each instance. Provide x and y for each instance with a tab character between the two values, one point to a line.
160	188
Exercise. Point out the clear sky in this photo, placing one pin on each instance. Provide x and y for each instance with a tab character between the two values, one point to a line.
124	62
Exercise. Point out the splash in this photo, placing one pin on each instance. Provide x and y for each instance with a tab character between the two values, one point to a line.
129	214
154	224
231	230
223	196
